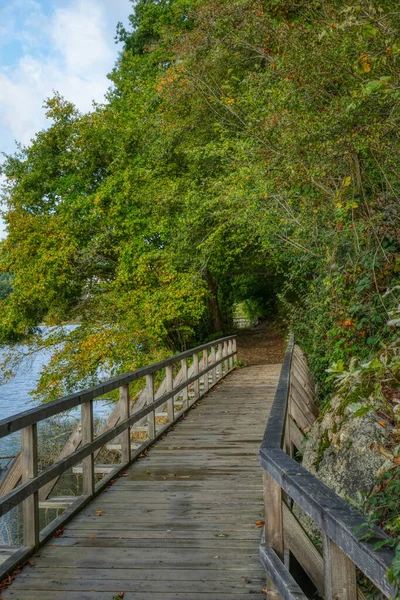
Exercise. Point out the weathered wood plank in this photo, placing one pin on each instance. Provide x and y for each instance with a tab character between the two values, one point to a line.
185	513
280	576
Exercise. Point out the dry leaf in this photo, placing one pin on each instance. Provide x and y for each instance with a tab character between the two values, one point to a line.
98	512
260	524
382	423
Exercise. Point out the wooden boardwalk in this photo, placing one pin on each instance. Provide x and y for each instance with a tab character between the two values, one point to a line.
181	524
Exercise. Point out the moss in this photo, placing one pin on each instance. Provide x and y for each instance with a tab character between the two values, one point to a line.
323	445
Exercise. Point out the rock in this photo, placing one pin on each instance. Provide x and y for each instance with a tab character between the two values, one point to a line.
341	450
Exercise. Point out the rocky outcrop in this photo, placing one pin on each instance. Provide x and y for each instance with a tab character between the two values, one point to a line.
342	450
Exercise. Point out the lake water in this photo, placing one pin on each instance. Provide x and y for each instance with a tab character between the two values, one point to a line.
15	397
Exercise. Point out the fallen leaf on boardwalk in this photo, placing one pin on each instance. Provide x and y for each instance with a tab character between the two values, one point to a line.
30	563
123	474
92	537
217	556
260	524
264	591
148	472
98	512
59	532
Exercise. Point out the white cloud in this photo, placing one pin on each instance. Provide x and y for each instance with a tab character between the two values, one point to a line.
69	50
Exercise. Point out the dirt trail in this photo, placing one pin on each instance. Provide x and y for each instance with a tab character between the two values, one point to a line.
262	345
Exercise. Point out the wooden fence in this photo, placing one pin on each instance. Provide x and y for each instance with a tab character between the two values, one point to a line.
287	484
208	364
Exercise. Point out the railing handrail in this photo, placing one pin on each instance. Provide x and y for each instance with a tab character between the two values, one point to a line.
23	419
188	386
339	521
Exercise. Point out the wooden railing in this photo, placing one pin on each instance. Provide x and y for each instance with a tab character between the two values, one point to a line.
287	484
209	363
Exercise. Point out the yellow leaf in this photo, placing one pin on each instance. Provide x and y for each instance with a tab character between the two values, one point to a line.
346	181
365	63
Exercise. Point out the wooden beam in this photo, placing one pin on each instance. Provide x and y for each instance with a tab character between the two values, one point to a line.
124	411
285	585
88	480
340	573
30	507
151	423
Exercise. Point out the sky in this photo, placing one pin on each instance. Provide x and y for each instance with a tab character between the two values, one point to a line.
53	45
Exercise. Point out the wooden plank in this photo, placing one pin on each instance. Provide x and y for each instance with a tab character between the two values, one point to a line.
197	525
306	398
151	423
195	364
273	528
344	525
169	387
87	438
308	414
295	434
184	369
124	407
340	573
30	507
280	576
301	546
298	416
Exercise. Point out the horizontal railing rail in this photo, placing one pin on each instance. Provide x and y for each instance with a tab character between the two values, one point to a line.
35	415
217	360
345	543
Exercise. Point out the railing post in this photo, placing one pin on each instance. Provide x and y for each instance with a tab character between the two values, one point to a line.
214	370
30	506
273	524
234	350
196	387
185	391
226	361
218	357
124	408
340	573
230	360
88	480
151	417
205	365
169	387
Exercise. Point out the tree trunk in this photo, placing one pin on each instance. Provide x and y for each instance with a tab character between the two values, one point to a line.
216	317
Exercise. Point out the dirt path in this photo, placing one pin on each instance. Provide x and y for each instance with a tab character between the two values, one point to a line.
262	345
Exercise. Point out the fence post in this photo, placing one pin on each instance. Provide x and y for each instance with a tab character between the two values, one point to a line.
205	365
214	370
340	573
218	357
169	387
88	480
185	391
230	359
124	413
151	417
273	524
196	387
234	350
225	353
30	506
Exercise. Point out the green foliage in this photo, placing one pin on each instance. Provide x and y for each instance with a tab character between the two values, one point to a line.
248	152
